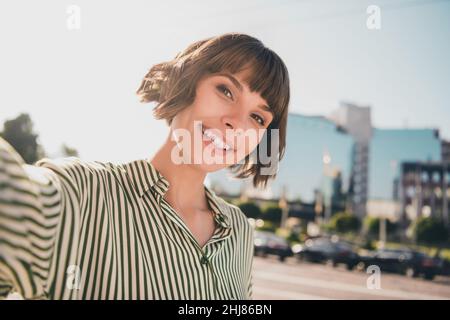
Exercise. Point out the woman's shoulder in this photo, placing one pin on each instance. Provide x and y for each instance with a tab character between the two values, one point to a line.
79	171
69	164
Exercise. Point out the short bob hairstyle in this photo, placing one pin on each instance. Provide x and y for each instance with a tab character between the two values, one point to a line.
172	85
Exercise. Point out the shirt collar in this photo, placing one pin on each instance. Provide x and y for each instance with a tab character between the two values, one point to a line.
145	176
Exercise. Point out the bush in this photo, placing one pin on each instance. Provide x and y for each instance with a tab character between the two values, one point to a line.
373	226
293	237
273	214
250	209
268	226
430	231
368	245
344	223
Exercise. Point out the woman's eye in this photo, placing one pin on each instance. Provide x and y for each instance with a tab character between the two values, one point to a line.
259	119
225	91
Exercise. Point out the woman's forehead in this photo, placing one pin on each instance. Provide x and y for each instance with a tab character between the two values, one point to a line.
244	75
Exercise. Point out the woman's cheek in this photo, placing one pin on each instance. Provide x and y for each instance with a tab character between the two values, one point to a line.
245	146
212	103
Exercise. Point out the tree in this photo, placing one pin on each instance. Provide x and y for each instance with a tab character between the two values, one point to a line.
250	209
19	133
373	226
430	231
69	151
344	223
272	213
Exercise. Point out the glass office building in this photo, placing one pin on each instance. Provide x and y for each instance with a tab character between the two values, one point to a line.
389	148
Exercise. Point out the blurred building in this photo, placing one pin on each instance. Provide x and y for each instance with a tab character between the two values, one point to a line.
425	190
356	120
382	208
390	148
445	151
330	198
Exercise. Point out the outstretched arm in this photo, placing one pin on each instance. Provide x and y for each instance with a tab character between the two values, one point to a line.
32	198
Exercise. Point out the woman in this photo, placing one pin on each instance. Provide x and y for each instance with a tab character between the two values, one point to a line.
151	229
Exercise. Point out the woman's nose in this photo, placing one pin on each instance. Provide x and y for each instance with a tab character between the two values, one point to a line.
233	121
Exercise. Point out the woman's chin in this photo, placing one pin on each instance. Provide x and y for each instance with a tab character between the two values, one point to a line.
210	168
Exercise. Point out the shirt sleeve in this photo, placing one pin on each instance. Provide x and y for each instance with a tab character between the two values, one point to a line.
32	200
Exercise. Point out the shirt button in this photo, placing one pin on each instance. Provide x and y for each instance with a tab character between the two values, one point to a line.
204	260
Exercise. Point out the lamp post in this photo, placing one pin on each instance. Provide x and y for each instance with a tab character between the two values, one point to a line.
326	160
382	228
445	193
282	203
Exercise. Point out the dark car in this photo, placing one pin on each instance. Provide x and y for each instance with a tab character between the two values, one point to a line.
268	243
444	266
403	261
327	250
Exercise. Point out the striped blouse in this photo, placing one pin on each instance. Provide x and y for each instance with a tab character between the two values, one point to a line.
72	229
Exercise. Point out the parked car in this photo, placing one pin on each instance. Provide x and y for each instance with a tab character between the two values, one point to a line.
328	250
268	243
403	261
444	266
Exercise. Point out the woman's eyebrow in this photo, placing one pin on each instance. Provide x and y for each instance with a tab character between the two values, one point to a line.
232	79
238	85
266	108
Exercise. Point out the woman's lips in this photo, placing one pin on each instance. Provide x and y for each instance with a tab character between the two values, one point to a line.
214	136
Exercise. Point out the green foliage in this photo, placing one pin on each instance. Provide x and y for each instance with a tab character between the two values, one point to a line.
430	231
373	226
368	245
250	209
268	204
272	213
268	226
344	223
19	133
69	151
293	237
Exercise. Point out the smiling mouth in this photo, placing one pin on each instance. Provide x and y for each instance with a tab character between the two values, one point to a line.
216	140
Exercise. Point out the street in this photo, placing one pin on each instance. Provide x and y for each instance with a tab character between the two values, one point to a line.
291	280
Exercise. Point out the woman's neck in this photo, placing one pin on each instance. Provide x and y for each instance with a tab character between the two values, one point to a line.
186	188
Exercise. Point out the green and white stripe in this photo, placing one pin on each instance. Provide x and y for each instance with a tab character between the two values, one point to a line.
72	229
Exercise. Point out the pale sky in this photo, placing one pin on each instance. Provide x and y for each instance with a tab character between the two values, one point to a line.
79	86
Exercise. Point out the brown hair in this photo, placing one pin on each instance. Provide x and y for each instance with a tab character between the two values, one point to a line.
172	85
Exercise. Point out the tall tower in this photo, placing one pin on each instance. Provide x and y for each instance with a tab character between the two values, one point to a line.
356	120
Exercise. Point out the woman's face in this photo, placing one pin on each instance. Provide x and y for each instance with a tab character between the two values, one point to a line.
224	124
